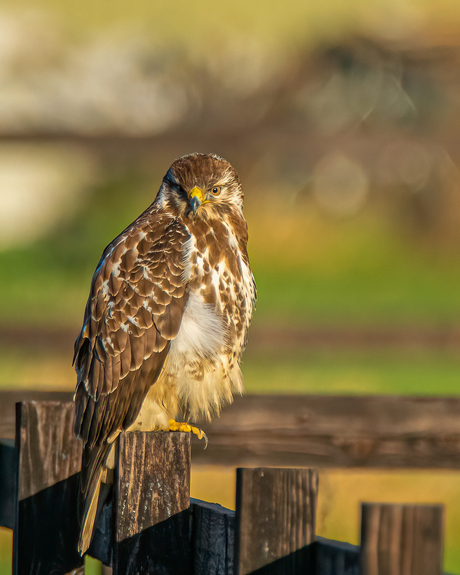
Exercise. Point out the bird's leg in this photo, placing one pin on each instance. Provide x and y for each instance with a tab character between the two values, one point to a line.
182	426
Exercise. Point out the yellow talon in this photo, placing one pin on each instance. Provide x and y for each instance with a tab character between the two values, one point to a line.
182	426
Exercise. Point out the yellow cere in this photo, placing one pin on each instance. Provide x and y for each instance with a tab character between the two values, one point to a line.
198	192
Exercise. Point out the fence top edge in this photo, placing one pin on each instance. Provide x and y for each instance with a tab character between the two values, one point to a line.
216	507
335	544
7	442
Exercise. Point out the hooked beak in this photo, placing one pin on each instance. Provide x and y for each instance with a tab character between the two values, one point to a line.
197	197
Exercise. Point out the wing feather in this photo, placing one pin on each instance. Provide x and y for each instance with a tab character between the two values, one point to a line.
135	308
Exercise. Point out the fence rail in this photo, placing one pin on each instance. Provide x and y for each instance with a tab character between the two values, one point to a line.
316	431
152	526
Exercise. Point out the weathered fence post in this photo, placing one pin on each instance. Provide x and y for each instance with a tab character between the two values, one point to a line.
213	539
335	558
275	519
7	483
152	500
47	482
401	539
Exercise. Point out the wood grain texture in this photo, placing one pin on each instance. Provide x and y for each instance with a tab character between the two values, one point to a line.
275	518
336	431
323	431
213	538
152	516
48	449
401	539
9	398
48	461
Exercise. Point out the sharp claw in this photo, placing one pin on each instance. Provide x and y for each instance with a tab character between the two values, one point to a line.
201	435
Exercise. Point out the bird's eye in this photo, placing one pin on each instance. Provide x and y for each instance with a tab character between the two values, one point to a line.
215	190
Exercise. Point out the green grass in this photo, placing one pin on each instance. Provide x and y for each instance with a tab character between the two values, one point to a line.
6	543
309	269
361	271
48	282
396	294
353	372
331	371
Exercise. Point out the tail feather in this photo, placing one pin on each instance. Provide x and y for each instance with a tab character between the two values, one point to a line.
88	521
93	490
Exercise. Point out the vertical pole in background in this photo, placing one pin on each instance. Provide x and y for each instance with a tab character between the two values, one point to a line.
152	500
48	464
401	539
275	519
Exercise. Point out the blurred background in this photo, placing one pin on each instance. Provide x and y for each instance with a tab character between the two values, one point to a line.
343	121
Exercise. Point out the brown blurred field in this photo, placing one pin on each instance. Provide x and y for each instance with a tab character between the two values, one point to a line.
343	120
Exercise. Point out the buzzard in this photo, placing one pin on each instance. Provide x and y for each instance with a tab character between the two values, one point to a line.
166	320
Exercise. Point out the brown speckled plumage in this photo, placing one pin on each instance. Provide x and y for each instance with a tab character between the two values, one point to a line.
167	317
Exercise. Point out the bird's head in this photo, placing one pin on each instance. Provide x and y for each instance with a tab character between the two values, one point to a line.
201	186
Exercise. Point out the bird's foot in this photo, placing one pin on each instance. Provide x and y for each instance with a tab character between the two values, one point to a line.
182	426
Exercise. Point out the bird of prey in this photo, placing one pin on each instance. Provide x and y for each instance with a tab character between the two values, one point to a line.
166	320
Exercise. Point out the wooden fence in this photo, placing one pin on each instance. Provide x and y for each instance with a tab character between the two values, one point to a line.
152	525
315	431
